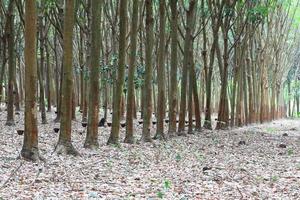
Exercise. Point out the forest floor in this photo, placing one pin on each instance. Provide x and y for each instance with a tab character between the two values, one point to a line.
253	162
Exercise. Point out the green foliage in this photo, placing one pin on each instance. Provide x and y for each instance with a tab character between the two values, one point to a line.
160	194
139	76
178	157
167	184
215	141
274	178
107	70
83	69
294	8
290	151
48	3
258	13
229	11
118	145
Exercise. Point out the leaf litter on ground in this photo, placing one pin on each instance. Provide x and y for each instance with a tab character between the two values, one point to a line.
252	162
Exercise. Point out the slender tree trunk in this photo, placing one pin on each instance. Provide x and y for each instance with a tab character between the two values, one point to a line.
73	103
30	149
195	96
147	109
49	80
161	73
234	88
187	63
250	92
4	42
57	82
88	63
132	62
289	99
263	90
81	64
91	140
18	88
141	60
17	96
64	144
41	70
223	103
173	70
59	68
114	134
208	68
246	111
11	66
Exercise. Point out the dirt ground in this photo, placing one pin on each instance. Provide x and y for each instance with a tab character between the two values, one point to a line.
253	162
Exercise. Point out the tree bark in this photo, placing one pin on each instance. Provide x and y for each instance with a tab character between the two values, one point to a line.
187	63
132	62
118	88
64	145
11	66
41	70
173	70
91	140
161	73
30	149
147	109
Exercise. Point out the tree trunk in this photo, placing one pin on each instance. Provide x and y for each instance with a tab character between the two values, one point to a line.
30	149
208	68
289	99
49	80
187	63
91	140
118	88
147	109
41	71
195	96
11	66
4	42
64	145
161	73
17	96
223	103
132	62
250	92
173	70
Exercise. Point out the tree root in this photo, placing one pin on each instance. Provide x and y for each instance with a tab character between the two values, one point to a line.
66	149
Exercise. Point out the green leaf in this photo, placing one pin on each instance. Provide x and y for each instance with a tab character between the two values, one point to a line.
290	151
160	194
178	157
167	184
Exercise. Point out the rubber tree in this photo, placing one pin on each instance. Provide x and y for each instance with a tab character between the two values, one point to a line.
132	62
64	145
187	63
40	69
173	70
91	140
11	65
161	72
118	88
147	109
30	149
